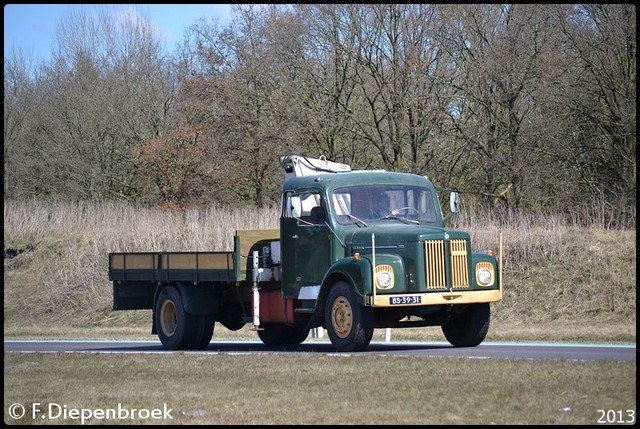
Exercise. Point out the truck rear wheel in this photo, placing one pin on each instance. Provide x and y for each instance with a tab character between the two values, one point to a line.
230	315
279	335
176	328
204	332
349	324
469	327
298	335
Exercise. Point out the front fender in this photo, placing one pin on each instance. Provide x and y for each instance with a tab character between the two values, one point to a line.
355	272
476	259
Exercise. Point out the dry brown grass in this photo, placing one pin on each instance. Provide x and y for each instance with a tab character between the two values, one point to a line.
562	282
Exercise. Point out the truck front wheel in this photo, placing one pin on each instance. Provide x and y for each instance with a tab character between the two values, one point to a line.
176	328
469	327
349	324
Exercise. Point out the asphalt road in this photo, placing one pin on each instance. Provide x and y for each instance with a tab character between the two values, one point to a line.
487	350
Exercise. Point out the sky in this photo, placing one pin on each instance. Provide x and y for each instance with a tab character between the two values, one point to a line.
31	27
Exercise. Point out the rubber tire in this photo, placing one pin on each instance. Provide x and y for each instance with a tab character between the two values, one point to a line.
279	335
469	328
272	335
204	332
349	324
176	327
298	335
230	316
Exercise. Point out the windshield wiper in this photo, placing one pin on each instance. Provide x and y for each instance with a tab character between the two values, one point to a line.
357	220
401	219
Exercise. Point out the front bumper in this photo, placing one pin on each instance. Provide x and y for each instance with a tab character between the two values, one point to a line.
434	298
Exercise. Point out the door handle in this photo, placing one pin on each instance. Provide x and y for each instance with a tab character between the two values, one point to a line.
295	236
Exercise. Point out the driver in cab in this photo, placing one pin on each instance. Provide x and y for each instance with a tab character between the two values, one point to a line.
383	207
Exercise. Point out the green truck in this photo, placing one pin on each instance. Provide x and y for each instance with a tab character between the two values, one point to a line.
356	250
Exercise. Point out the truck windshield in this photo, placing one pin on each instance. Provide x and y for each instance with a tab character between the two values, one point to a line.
383	202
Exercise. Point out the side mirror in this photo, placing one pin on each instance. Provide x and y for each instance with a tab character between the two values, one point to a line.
454	202
296	207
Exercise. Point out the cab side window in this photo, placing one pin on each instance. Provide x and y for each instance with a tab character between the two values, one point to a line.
306	207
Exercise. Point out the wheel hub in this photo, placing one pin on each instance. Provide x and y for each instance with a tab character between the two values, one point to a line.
341	317
168	318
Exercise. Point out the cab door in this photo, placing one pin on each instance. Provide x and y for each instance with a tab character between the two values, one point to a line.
305	244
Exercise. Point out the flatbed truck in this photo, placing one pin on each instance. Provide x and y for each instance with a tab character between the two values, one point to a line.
335	263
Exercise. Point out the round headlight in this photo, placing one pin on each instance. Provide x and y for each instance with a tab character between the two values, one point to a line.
484	276
385	279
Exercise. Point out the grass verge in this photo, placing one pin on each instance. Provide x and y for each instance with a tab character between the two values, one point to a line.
315	389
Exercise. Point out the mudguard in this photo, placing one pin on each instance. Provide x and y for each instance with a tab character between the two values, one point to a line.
357	273
197	299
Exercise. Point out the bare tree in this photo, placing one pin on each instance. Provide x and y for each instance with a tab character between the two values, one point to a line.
104	92
499	51
239	80
523	107
320	60
395	81
174	163
20	106
601	39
